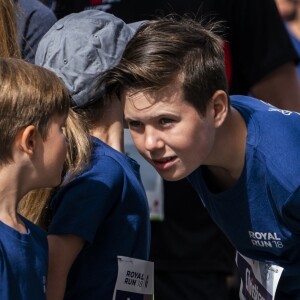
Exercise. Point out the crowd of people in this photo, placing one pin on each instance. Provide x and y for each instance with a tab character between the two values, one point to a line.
210	93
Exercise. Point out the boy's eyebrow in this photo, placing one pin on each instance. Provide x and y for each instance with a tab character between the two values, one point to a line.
129	118
154	115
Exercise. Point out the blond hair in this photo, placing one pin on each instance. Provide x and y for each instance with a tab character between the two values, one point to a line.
9	46
29	95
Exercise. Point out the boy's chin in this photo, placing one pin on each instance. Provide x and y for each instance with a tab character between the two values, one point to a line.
172	177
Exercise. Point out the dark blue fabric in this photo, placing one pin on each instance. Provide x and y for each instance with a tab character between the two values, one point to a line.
260	214
107	207
23	263
34	19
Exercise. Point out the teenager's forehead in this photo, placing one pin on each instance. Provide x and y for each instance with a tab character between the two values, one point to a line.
143	98
141	103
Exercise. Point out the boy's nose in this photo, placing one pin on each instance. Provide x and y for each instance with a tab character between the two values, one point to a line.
152	139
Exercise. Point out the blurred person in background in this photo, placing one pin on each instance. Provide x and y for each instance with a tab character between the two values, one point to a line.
290	13
34	19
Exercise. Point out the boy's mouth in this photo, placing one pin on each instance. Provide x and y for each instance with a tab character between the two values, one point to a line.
164	163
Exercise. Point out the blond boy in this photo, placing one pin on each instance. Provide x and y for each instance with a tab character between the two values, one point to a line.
33	108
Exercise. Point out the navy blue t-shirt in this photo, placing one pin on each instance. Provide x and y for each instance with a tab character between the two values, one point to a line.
23	263
260	213
107	207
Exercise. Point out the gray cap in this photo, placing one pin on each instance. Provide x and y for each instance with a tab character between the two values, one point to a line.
81	46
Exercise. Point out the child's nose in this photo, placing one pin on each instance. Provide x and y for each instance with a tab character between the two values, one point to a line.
153	139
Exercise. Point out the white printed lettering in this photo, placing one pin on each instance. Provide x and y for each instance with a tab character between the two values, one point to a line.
265	239
252	288
251	234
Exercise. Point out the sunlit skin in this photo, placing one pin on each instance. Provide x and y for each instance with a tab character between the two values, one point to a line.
176	139
51	153
35	163
165	133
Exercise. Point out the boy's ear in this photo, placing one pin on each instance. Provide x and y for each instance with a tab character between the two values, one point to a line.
28	139
220	106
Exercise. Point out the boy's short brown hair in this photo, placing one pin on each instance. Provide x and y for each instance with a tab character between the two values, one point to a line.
165	50
29	95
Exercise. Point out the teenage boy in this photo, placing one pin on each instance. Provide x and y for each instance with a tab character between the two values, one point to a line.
33	107
240	154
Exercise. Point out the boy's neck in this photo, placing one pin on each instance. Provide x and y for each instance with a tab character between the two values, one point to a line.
229	151
112	135
110	127
8	212
10	195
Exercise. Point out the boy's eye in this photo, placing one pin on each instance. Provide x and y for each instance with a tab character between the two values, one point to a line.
134	123
164	121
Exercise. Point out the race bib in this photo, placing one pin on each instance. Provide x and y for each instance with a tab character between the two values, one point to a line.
258	280
135	279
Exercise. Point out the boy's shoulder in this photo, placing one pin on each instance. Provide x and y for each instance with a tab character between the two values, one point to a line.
112	158
272	139
253	108
248	102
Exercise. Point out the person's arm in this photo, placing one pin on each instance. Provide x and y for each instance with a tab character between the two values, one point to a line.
63	250
280	88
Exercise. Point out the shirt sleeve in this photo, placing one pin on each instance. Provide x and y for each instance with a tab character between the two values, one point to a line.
82	206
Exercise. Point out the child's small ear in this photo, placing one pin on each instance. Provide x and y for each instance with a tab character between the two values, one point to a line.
220	103
28	139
